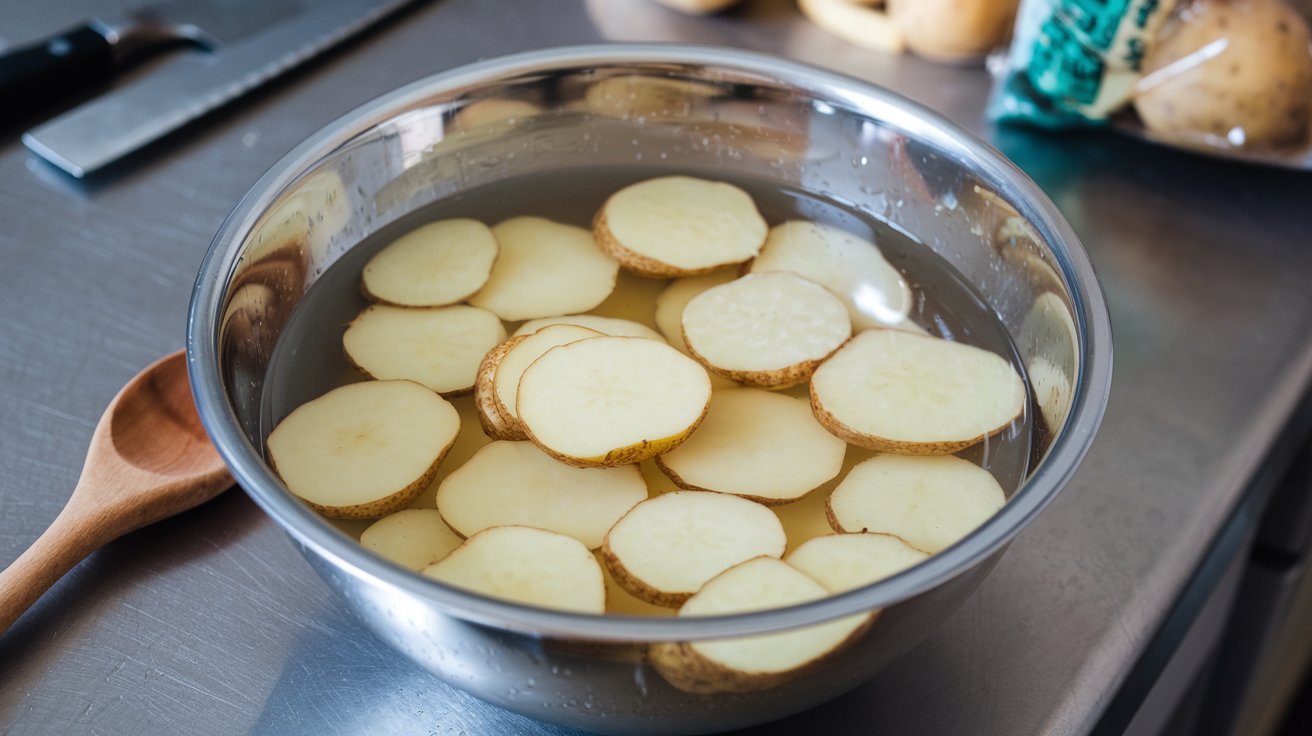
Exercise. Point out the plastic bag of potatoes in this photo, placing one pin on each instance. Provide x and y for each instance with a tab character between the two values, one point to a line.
1221	74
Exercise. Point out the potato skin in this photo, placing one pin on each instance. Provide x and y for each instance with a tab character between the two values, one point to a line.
1260	82
954	31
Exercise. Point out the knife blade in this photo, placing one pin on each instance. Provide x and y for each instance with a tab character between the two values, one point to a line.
182	89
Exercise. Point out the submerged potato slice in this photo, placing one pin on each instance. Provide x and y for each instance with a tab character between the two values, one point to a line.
412	538
490	418
433	265
439	347
768	329
849	266
365	449
665	548
847	561
749	663
526	565
670	303
508	483
756	444
930	502
679	226
603	325
611	400
545	269
896	391
505	381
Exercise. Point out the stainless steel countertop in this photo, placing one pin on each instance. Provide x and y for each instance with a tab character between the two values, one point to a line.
212	622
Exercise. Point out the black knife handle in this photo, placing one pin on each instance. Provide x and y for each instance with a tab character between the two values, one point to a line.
42	73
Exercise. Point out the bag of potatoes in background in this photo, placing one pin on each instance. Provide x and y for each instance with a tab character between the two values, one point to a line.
1213	73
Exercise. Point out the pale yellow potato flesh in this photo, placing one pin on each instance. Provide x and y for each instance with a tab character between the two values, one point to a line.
750	663
545	269
468	441
930	502
611	400
760	445
848	265
509	483
843	562
808	518
679	226
505	381
603	325
436	264
526	565
767	329
665	548
365	449
895	391
439	347
412	538
672	300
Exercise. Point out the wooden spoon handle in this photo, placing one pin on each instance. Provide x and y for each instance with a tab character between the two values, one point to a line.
67	541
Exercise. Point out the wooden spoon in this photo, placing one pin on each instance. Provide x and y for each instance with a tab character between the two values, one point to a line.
149	459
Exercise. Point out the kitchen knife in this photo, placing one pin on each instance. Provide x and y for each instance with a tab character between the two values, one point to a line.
251	41
91	53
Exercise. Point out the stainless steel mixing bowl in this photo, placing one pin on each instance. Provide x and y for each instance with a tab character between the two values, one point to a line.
703	110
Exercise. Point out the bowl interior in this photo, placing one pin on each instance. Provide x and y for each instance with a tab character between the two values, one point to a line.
700	111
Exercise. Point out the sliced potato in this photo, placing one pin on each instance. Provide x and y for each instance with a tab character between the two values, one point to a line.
363	450
490	418
665	548
847	561
931	502
756	444
412	538
849	266
808	518
505	381
852	21
750	663
439	347
679	226
526	565
611	400
603	325
508	483
896	391
433	265
670	303
767	329
545	269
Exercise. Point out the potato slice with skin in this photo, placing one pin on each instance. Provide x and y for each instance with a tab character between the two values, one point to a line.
505	381
751	663
670	303
756	444
611	400
439	347
768	329
850	267
603	325
526	565
622	602
896	391
363	450
433	265
843	562
509	483
665	548
494	424
679	226
545	269
930	502
412	538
